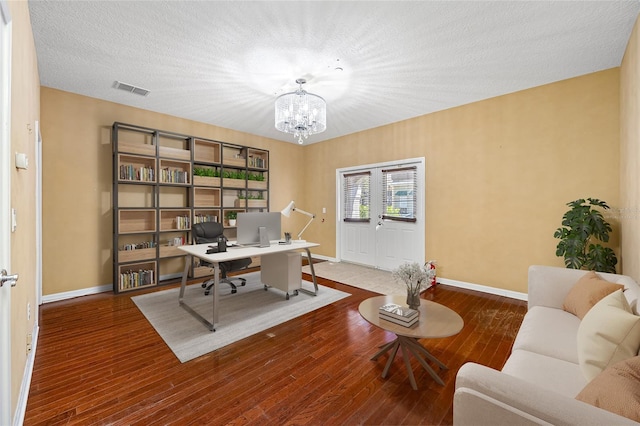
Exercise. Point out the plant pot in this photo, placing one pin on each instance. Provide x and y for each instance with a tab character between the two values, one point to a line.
232	222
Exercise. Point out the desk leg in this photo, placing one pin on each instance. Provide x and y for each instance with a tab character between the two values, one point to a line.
313	276
188	260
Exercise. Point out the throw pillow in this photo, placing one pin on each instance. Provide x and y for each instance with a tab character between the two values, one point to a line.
588	291
616	389
608	333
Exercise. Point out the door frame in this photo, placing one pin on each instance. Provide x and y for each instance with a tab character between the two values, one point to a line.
6	411
354	169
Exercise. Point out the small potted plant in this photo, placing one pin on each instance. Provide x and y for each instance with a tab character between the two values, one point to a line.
416	277
231	218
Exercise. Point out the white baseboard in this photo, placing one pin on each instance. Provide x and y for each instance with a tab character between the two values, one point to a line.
76	293
484	289
21	406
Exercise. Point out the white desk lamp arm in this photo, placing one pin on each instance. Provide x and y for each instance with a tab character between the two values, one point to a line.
311	215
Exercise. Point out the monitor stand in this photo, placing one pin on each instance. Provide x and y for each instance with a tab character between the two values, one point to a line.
264	237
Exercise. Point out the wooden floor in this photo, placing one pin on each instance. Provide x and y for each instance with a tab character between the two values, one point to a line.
99	361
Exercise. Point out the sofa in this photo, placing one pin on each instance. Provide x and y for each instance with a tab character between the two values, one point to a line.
547	368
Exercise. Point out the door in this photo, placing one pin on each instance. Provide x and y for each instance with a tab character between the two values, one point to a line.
381	214
5	213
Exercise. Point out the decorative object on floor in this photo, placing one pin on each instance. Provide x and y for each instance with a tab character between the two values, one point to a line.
416	278
291	207
580	226
249	311
359	276
301	113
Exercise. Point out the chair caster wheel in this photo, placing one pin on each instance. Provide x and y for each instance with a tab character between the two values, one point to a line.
266	287
206	293
287	296
204	285
234	291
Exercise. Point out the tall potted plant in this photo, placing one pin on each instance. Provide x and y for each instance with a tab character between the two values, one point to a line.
581	226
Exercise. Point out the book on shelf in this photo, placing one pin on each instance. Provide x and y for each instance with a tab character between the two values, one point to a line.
400	312
404	323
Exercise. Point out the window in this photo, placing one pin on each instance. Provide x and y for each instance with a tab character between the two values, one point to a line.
356	197
399	194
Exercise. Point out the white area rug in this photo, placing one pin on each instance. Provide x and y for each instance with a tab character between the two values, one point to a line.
249	311
371	279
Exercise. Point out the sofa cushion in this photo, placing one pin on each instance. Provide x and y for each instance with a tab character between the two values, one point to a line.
588	291
616	389
550	373
549	331
609	333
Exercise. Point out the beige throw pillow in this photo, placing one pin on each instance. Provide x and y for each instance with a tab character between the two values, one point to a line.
608	333
616	389
588	291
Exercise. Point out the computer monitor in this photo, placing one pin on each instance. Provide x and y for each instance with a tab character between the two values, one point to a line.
248	225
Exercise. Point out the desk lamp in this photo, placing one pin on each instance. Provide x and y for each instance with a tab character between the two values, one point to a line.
287	213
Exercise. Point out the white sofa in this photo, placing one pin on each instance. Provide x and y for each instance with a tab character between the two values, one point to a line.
540	380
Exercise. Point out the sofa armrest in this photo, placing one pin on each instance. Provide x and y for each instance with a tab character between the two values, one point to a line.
549	285
485	396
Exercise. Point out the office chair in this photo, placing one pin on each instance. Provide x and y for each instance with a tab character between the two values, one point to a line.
208	232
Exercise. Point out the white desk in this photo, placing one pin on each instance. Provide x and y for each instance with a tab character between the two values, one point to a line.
234	253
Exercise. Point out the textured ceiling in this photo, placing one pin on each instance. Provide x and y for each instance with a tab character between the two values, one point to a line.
224	63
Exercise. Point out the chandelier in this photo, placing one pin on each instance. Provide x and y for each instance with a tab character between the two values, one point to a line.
301	113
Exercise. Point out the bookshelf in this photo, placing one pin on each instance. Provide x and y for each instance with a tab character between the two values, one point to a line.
163	183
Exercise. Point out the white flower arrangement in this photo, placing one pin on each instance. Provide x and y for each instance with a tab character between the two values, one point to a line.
414	276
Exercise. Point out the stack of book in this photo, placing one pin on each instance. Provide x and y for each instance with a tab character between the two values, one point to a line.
398	314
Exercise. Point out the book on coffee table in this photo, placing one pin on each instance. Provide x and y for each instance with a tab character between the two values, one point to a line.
398	314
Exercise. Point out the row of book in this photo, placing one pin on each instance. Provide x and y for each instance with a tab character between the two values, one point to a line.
174	176
177	241
138	246
257	162
183	222
133	279
142	174
200	218
398	314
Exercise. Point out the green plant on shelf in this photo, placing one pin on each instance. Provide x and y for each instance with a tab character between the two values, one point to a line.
232	215
259	177
258	195
206	172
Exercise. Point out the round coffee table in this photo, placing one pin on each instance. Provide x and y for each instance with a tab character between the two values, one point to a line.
436	321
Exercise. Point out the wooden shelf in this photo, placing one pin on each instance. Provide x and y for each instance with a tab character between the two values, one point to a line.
175	220
137	221
174	172
133	276
169	182
206	197
205	151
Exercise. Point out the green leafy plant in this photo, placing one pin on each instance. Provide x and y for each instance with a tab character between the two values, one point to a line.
232	215
581	226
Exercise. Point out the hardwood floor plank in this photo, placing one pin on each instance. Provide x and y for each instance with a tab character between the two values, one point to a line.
99	361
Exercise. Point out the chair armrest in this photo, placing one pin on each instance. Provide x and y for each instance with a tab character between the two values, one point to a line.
485	396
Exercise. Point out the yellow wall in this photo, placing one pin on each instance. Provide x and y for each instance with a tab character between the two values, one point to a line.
25	111
77	166
498	174
630	155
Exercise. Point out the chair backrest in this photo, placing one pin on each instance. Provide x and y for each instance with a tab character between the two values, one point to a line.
207	232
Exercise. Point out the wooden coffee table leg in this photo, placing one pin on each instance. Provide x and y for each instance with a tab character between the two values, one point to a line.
407	363
392	355
384	348
411	346
414	343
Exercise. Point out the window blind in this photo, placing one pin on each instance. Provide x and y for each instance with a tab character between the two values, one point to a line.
356	197
399	194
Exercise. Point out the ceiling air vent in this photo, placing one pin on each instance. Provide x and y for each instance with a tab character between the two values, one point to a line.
130	88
